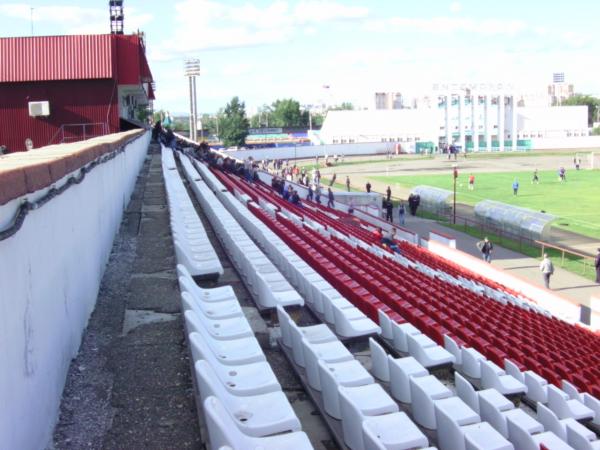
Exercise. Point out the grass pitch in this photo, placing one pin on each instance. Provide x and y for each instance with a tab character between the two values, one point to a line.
575	202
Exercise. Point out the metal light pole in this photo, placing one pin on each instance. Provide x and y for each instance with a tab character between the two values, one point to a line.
455	176
192	70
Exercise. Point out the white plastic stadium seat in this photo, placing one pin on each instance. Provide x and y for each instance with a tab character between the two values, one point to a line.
559	426
347	374
427	352
563	407
231	352
401	371
392	431
328	352
379	361
424	391
221	329
257	415
494	377
471	362
241	380
357	403
224	433
523	440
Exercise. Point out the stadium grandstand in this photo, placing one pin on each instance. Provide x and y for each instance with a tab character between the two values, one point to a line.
389	345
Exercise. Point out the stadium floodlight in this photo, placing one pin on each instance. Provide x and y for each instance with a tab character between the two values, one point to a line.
191	71
192	67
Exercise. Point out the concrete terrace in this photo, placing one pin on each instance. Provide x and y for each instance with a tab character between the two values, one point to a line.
130	385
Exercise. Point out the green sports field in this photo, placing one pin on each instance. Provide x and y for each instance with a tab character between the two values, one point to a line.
576	202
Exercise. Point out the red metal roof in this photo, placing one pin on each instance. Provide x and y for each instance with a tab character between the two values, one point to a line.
46	58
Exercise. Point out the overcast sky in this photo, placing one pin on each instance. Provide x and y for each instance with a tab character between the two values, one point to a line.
264	50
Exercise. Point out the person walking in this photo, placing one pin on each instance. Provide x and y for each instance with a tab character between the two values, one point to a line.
597	265
515	187
347	183
388	193
368	187
535	178
330	199
401	212
547	269
318	194
332	179
471	182
486	248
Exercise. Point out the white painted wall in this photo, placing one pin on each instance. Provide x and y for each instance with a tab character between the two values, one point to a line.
585	142
50	272
311	151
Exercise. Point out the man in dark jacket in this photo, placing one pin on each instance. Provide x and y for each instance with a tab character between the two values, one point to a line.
389	208
486	247
368	186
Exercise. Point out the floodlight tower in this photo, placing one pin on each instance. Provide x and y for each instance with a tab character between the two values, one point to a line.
192	70
116	16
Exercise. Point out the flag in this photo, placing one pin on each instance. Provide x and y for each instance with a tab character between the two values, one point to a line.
558	77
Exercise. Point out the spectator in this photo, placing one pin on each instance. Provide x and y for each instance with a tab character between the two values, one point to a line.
156	131
471	182
330	199
401	212
309	196
347	183
295	198
486	247
389	238
351	207
388	194
378	234
286	192
368	186
332	179
389	209
547	269
515	187
318	194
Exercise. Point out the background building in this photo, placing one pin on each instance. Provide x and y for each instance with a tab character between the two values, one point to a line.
57	89
388	100
484	116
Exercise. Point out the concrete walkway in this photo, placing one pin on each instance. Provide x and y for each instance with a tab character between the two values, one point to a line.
563	283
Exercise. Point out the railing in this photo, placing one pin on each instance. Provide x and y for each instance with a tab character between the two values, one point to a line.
69	132
585	258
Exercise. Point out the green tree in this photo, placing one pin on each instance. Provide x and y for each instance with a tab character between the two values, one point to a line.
287	113
593	104
233	124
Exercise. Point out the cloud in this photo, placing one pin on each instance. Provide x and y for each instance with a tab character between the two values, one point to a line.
211	25
455	7
448	25
88	20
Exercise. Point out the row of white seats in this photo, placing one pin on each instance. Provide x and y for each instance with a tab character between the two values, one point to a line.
369	417
324	299
433	405
209	178
521	429
192	246
406	338
267	285
536	388
496	382
167	158
231	369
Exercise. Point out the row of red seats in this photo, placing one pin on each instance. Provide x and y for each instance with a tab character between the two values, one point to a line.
519	335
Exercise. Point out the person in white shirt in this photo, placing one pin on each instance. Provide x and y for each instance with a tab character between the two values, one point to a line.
547	269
